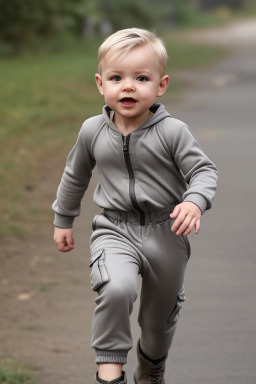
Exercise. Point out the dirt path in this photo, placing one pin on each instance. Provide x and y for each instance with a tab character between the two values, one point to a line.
45	301
237	35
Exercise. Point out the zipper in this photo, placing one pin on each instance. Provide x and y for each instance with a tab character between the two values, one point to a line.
126	141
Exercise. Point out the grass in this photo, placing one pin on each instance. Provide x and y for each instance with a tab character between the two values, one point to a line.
249	11
185	55
190	17
13	372
31	328
44	98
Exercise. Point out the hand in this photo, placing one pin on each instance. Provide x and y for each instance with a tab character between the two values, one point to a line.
64	239
187	216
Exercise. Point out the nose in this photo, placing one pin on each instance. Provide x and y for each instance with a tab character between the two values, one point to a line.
129	86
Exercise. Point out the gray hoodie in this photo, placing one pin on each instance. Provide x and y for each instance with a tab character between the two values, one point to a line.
157	165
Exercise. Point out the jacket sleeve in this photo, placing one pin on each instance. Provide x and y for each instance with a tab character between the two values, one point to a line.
74	182
199	172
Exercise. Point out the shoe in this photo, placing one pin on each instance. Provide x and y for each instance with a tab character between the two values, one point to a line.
122	380
147	372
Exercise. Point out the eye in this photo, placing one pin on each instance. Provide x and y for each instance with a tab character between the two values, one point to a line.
142	79
116	78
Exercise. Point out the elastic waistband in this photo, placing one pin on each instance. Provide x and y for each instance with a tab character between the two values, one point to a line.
134	217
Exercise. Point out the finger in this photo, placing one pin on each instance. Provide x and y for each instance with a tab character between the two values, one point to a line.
175	226
197	229
175	212
190	227
63	246
184	226
178	222
70	242
67	248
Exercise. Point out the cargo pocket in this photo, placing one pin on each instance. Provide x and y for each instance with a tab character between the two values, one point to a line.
174	316
99	274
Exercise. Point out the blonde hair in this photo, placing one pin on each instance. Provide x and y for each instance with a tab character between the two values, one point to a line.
121	42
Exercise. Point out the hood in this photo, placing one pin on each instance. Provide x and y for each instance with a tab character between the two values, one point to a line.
158	109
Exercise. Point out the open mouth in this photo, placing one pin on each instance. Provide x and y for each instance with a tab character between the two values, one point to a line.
128	101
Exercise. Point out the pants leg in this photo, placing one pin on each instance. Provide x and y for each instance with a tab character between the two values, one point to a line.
119	253
162	287
115	268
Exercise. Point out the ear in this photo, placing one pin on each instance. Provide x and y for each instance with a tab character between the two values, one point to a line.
164	82
98	79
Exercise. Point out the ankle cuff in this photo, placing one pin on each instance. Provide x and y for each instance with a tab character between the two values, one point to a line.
116	357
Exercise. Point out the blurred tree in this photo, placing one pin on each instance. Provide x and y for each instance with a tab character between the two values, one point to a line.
130	13
82	17
182	11
22	21
211	4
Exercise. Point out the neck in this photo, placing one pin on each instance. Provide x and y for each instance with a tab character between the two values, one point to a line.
126	125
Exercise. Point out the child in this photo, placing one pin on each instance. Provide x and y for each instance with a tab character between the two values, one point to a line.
154	184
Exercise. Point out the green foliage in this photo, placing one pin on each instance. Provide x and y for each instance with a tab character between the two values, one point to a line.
182	11
26	22
30	24
23	21
185	15
12	372
127	14
44	100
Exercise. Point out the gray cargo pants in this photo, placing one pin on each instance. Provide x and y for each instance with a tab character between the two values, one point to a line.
121	249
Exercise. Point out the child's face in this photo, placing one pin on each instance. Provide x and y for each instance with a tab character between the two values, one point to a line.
131	84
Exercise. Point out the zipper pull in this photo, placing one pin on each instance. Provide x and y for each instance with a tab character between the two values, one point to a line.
126	143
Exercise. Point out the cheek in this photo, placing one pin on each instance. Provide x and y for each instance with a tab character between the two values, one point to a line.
110	93
110	100
148	93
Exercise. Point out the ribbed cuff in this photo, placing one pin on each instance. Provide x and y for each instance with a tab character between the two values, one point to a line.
115	357
63	221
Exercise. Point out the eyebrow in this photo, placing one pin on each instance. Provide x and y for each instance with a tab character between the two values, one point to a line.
118	72
110	72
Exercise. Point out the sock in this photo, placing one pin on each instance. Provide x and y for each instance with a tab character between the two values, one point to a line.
154	362
115	381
